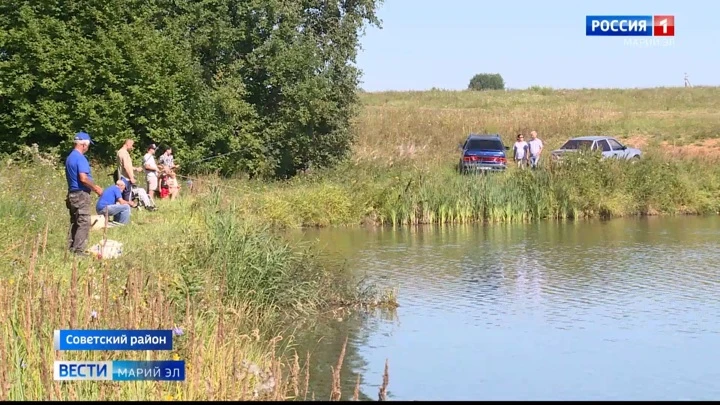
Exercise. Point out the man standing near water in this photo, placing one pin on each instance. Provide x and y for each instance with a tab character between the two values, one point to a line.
536	147
80	183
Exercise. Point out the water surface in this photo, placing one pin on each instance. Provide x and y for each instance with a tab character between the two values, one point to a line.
622	309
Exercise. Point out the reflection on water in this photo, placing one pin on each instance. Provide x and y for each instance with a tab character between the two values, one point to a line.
622	309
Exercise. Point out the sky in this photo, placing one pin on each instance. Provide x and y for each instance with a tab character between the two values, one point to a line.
442	44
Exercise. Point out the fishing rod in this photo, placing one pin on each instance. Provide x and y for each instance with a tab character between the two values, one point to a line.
212	157
203	160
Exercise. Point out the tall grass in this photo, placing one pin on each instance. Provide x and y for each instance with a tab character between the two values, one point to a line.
408	194
585	188
227	357
261	267
226	286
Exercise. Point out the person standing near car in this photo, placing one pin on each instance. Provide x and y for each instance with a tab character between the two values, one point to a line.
535	146
520	151
80	183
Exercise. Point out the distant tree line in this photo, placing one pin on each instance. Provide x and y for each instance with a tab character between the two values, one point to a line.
267	82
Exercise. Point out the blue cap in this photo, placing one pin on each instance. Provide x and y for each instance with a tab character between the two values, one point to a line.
83	136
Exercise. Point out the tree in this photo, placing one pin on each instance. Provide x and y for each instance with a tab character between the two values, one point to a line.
487	81
269	84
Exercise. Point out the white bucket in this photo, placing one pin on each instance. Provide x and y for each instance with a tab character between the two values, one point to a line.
109	249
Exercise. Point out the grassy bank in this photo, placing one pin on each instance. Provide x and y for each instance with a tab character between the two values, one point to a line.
223	281
406	194
402	169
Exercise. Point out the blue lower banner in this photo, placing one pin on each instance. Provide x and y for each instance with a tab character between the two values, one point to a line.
102	339
120	370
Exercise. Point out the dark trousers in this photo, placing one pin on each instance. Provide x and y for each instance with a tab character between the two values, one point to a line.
79	205
127	194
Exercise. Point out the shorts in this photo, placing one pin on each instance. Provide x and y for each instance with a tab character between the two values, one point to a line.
152	183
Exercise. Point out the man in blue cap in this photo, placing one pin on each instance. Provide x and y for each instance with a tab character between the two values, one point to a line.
80	184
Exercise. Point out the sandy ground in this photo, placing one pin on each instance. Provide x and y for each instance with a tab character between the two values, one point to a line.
706	148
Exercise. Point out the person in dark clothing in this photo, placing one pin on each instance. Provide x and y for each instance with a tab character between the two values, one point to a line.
78	203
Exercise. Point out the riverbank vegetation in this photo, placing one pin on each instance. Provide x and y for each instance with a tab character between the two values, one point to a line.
408	194
227	285
402	166
267	88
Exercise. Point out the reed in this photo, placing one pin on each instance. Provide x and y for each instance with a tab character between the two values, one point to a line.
405	193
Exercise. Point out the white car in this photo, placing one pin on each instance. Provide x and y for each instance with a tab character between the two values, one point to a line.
609	146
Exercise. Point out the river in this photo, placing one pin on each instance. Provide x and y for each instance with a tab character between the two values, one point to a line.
626	309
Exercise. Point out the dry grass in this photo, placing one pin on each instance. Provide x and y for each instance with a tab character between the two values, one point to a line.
382	395
429	125
224	353
226	359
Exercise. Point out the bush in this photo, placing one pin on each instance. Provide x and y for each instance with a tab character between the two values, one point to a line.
487	81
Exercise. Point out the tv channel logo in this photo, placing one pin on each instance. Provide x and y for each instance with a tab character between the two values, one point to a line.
630	26
83	370
119	370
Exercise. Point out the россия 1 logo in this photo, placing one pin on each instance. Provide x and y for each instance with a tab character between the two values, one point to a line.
630	25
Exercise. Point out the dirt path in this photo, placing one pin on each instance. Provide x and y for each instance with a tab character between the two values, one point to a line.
706	148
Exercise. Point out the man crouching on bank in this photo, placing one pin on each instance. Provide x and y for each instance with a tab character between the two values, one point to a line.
113	205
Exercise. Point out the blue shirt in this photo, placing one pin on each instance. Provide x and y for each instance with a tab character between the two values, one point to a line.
109	197
75	164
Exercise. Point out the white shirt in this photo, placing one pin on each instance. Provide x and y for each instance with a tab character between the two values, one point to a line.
519	149
148	158
535	146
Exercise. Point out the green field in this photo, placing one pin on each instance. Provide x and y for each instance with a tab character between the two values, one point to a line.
429	124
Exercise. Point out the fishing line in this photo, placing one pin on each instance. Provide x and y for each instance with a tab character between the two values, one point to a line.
212	157
202	160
